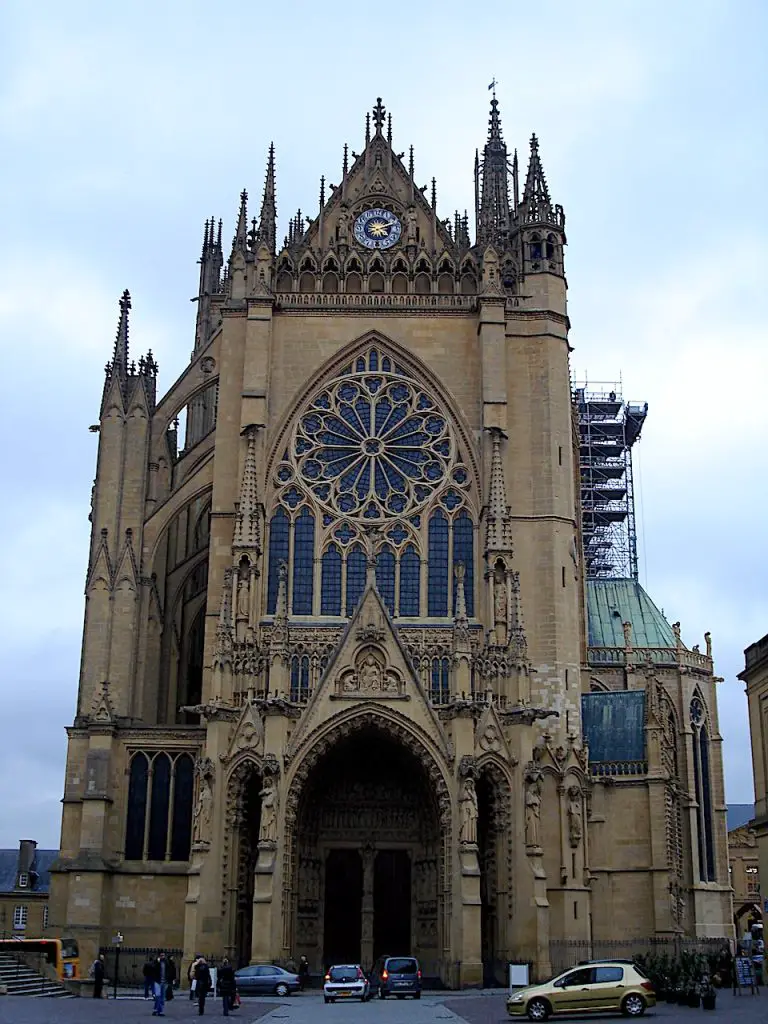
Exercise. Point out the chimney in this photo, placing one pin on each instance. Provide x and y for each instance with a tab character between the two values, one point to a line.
27	848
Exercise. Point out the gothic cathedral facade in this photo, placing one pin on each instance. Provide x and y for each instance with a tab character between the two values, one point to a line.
339	648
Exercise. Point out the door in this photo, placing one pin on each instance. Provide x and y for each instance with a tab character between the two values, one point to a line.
343	907
608	987
575	992
391	903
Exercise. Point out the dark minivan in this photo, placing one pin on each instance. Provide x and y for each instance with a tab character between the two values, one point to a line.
396	976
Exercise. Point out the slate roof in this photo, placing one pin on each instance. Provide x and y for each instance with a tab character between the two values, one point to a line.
739	814
9	863
613	602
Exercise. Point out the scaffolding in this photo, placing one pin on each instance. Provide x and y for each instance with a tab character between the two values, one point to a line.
608	428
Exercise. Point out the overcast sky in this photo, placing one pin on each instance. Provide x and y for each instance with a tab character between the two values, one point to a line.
123	126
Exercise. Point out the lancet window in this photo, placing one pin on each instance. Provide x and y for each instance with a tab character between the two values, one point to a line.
373	465
703	782
159	813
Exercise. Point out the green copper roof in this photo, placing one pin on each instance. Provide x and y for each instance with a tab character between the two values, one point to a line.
612	602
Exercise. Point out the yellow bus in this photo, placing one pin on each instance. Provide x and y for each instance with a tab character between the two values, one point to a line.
62	954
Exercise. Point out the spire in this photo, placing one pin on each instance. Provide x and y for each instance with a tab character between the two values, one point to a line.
247	537
119	365
538	205
498	537
240	241
492	184
267	232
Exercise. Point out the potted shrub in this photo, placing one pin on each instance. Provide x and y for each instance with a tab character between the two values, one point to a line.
708	993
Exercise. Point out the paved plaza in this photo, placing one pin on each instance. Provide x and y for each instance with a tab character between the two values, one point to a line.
433	1008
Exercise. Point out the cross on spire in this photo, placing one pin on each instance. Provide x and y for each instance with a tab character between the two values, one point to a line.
379	113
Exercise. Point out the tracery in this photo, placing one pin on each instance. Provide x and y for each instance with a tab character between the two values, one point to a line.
372	450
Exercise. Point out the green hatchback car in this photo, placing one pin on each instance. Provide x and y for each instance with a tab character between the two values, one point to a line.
601	987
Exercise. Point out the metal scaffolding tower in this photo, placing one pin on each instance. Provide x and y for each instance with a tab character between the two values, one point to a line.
608	427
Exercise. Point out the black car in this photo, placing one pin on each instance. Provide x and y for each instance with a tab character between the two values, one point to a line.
396	976
265	979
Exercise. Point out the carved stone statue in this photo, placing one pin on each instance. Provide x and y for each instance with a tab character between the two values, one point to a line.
201	821
411	222
269	803
500	601
343	224
575	827
243	603
533	809
370	674
468	812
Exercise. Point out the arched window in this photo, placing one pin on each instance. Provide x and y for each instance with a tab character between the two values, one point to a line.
376	283
464	552
299	678
303	562
551	247
137	807
330	283
295	678
535	246
183	789
422	284
354	283
703	784
468	285
278	553
441	685
385	577
330	582
438	565
445	284
284	282
159	807
399	284
355	577
410	581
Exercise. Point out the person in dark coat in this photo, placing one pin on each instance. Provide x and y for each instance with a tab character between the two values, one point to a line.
202	984
227	987
98	976
148	971
163	974
303	972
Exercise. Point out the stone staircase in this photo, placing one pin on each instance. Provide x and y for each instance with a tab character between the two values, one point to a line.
21	980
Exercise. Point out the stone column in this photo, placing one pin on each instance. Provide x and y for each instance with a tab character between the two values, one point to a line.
368	857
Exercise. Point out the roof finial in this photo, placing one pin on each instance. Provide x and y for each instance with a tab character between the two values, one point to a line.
240	241
345	165
367	128
120	354
322	191
434	193
410	162
389	129
493	85
267	231
379	113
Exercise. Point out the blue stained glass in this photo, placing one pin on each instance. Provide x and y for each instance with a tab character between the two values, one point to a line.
304	679
442	448
422	492
435	425
294	678
416	520
399	413
396	503
342	426
330	582
383	409
432	471
348	392
327	520
363	410
278	553
397	534
424	402
451	499
406	429
302	445
396	481
323	401
438	565
347	503
322	492
464	551
382	486
410	581
460	476
345	533
385	577
311	424
350	417
364	482
371	511
349	479
284	473
373	360
386	364
373	384
355	578
303	562
292	497
400	393
445	679
312	469
360	365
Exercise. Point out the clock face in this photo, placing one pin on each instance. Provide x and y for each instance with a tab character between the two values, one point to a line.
377	229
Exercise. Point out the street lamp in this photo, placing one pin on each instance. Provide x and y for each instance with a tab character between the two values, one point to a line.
117	942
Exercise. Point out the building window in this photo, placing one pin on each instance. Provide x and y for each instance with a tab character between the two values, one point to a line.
300	679
355	577
385	577
441	681
438	565
303	563
159	814
330	582
464	553
46	913
278	553
20	917
703	786
410	582
23	880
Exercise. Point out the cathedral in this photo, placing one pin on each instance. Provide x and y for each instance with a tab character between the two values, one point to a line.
358	676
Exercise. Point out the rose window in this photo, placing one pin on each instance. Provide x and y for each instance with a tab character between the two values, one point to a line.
373	445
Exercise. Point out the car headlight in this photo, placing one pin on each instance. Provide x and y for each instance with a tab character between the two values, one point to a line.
516	999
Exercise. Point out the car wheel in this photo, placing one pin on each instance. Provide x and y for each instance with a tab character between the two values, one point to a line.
538	1009
633	1006
281	990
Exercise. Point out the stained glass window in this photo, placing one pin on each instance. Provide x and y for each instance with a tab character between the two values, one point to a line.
410	581
464	552
304	679
330	582
438	565
181	830
137	807
440	689
303	562
158	813
385	577
355	577
294	678
278	553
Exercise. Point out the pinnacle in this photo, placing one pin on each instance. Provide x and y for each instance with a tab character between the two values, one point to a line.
120	354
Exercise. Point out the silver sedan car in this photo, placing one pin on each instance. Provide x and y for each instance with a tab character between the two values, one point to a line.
346	981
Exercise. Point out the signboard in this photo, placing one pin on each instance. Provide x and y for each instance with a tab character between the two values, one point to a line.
518	975
744	975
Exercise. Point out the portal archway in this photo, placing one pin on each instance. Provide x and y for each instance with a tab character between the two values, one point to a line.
370	870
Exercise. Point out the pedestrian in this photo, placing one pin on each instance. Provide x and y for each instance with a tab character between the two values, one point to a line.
227	986
148	971
191	976
171	977
202	984
303	972
160	980
97	969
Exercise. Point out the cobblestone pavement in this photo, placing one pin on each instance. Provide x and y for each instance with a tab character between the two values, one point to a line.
432	1008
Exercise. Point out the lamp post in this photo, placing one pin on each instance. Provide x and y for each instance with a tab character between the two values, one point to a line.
117	943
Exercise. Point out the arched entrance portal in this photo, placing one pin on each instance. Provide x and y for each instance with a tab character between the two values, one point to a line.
241	839
370	862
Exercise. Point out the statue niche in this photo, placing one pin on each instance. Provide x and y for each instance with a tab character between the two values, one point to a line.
370	676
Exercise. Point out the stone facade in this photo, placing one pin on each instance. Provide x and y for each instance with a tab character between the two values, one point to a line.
755	676
335	642
745	877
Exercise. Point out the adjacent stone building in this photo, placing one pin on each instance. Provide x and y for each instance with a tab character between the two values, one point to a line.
24	886
755	675
345	688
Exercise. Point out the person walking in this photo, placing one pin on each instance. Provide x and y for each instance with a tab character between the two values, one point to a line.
97	969
191	976
202	984
227	987
148	971
160	980
303	972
